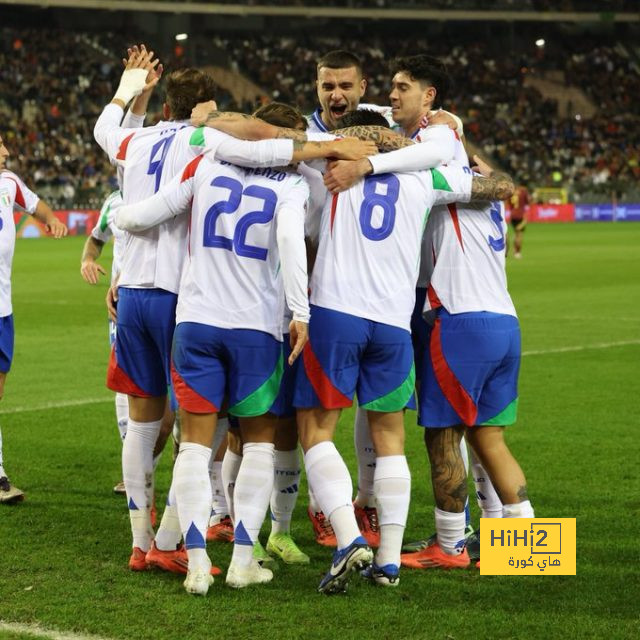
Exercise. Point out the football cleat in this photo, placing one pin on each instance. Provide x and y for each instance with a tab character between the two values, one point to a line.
367	519
419	545
260	554
173	561
387	575
473	545
198	581
221	532
239	577
322	529
356	557
119	488
433	557
8	493
137	561
283	546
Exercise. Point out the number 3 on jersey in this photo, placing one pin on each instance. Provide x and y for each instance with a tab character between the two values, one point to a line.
384	201
238	243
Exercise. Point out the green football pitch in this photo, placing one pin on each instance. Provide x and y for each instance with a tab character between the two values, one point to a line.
63	552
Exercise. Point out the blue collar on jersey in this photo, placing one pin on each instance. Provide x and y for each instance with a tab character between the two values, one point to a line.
415	134
316	117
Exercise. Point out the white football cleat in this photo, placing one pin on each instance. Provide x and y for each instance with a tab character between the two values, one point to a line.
198	581
239	577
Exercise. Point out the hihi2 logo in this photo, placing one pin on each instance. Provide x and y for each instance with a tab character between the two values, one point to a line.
528	546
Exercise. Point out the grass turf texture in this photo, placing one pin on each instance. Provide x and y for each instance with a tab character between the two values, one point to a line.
63	552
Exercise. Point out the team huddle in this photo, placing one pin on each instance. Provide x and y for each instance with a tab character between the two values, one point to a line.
270	268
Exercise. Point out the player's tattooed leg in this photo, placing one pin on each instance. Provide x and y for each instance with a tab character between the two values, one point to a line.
447	468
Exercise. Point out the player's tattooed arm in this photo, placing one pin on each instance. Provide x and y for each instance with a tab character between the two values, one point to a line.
342	148
385	139
493	185
238	125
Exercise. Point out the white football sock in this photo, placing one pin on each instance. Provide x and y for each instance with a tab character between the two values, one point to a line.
519	510
285	489
366	455
329	477
229	472
137	472
450	530
464	453
486	495
193	495
169	532
219	507
251	498
392	485
122	413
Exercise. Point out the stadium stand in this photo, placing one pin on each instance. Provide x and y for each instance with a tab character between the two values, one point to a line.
588	143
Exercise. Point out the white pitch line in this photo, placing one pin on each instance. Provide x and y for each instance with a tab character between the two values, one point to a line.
585	347
540	352
56	405
38	631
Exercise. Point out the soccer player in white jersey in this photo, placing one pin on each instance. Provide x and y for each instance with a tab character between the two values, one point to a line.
151	269
340	85
13	191
362	295
229	333
470	369
420	84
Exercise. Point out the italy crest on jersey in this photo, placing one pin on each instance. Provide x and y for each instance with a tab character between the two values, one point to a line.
5	197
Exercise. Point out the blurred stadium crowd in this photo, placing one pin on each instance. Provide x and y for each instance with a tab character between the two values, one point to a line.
53	85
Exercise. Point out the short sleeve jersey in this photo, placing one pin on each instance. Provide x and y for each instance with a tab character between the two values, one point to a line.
370	239
12	192
106	229
466	259
232	273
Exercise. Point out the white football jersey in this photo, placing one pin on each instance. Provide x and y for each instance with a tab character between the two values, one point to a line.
316	125
12	192
106	229
370	237
150	157
232	277
466	259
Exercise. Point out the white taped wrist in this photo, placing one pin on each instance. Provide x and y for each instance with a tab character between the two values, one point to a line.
131	85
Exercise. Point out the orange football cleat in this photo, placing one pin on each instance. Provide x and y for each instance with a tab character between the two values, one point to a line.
433	557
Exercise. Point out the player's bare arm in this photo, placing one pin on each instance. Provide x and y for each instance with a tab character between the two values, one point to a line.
44	214
385	139
341	148
342	174
90	270
493	185
238	125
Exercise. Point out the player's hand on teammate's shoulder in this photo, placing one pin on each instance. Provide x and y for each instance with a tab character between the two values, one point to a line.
90	271
342	174
298	337
201	112
482	167
353	148
442	118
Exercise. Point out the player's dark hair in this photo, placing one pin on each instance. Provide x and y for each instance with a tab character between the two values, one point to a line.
185	88
282	115
340	59
362	117
427	70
